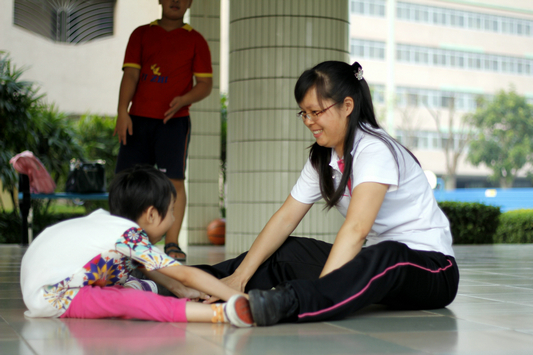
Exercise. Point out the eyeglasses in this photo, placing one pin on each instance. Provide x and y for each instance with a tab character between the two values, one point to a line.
313	116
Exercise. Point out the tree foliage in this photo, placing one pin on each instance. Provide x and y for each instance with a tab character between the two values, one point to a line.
28	123
504	141
18	99
95	135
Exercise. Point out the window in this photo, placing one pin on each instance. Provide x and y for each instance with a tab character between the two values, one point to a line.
447	102
70	21
361	48
412	99
436	99
441	16
457	59
358	7
457	20
368	7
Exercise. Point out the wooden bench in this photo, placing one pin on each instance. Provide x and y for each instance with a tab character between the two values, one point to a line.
25	198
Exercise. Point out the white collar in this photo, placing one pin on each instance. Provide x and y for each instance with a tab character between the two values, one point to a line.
335	157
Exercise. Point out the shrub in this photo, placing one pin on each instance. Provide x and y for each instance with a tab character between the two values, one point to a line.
10	227
471	223
95	134
515	227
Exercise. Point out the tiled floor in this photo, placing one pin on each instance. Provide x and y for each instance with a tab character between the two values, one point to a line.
493	314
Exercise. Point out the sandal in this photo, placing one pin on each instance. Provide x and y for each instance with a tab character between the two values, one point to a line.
175	248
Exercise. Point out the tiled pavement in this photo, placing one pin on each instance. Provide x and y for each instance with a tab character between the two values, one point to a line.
492	314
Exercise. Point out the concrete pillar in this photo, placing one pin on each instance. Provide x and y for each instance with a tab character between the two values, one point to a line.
271	43
204	149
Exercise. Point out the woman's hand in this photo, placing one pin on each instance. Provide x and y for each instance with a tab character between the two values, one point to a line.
233	281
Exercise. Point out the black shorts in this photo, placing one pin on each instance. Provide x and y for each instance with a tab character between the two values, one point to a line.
156	143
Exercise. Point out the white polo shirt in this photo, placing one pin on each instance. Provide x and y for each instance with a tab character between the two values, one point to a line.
409	213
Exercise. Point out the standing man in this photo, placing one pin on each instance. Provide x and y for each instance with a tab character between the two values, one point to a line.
161	61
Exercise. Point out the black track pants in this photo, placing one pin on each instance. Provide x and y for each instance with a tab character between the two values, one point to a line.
297	258
387	273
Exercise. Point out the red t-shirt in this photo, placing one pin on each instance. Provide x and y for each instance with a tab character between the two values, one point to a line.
168	61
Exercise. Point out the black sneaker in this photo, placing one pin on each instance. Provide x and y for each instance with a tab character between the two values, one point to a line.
270	307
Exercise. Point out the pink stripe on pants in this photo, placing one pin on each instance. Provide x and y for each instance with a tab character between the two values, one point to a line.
127	303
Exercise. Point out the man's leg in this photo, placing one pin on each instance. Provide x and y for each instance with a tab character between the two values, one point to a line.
179	212
172	146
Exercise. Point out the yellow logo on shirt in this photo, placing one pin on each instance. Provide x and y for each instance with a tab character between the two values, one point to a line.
155	69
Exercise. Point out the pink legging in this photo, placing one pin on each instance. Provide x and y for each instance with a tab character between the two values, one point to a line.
127	303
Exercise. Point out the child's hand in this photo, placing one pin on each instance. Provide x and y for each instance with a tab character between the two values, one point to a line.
123	127
181	291
175	105
211	299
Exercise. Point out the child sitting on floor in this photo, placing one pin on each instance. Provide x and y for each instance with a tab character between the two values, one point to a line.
80	268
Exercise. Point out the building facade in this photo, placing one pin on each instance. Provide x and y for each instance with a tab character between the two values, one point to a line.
446	53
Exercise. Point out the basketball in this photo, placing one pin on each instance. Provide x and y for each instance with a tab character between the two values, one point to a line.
216	231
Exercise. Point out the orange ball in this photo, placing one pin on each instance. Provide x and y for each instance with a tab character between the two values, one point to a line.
216	231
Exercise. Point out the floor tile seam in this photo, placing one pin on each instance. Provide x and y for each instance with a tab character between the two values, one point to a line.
480	283
374	335
512	291
20	337
210	340
507	288
474	321
479	268
370	334
348	330
525	331
499	301
506	275
500	285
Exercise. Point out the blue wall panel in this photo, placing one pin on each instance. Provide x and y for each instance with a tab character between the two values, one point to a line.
506	199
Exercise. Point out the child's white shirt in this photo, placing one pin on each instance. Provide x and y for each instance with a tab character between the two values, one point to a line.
96	250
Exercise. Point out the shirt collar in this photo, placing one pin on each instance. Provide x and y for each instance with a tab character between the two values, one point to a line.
335	158
186	26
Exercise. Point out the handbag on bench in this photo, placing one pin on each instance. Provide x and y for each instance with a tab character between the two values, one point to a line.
86	177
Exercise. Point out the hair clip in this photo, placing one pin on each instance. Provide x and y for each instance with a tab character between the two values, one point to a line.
359	74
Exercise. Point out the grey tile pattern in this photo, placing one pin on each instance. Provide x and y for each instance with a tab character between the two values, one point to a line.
492	314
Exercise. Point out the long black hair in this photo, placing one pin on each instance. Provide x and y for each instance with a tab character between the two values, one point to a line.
335	81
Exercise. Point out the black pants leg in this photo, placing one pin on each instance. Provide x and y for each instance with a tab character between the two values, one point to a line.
297	258
388	273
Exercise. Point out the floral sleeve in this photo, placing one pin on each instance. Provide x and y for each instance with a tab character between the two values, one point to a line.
134	243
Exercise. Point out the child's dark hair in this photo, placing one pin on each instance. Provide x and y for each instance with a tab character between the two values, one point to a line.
335	81
135	189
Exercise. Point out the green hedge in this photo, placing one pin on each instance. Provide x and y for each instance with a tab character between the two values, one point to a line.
515	227
471	223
